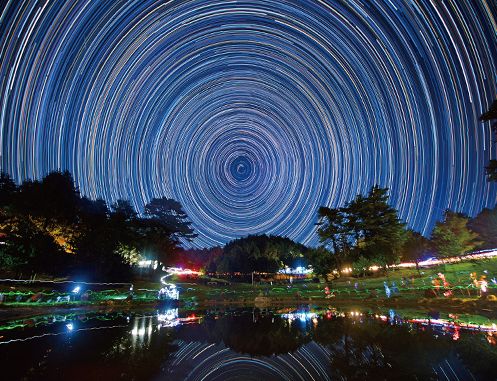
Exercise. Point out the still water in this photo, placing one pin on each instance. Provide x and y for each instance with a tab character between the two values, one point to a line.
250	344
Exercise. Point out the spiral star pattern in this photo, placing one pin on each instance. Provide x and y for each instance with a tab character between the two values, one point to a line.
204	361
252	114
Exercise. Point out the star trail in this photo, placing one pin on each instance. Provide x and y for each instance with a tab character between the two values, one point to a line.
206	361
252	114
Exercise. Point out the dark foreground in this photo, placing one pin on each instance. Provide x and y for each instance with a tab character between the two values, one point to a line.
249	344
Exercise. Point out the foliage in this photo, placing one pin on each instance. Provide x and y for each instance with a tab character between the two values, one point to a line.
485	225
162	228
129	254
323	262
491	116
452	237
367	227
96	253
259	253
415	247
168	215
47	226
376	226
361	266
334	233
26	249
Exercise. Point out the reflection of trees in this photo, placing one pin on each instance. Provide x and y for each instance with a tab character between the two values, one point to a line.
141	357
478	355
111	353
376	351
261	338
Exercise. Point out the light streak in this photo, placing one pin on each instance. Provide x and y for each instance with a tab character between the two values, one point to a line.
253	114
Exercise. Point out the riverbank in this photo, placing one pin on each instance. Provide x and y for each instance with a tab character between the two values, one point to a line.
482	307
409	289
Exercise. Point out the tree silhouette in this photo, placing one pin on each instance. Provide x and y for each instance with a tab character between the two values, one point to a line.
335	233
415	247
485	225
47	226
260	253
452	237
367	227
491	116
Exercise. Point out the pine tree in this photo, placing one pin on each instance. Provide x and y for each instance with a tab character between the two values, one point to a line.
452	237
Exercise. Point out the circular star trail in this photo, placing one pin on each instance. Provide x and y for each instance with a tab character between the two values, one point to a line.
204	361
253	113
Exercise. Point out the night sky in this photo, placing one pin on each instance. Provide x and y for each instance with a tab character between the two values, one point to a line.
253	113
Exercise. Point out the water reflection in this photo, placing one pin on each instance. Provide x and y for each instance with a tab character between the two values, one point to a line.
285	344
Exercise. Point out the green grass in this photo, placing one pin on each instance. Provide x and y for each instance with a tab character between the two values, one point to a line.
457	274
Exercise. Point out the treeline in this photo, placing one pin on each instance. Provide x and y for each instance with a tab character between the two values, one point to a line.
47	226
367	231
260	253
367	228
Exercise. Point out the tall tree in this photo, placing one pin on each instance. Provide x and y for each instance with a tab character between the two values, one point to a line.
125	228
377	229
367	227
452	237
97	246
52	205
26	249
415	247
485	225
170	214
334	234
35	237
491	116
123	211
164	226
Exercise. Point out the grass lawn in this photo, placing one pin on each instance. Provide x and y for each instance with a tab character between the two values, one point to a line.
457	274
344	288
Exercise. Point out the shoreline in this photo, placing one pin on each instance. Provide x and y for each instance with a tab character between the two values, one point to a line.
474	306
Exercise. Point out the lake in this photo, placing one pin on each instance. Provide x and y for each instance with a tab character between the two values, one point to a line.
250	344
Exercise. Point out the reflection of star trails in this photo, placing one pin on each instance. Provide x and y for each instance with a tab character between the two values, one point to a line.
205	361
199	353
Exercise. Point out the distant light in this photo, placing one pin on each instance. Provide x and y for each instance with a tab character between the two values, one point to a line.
299	270
70	326
148	263
301	316
181	271
76	290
